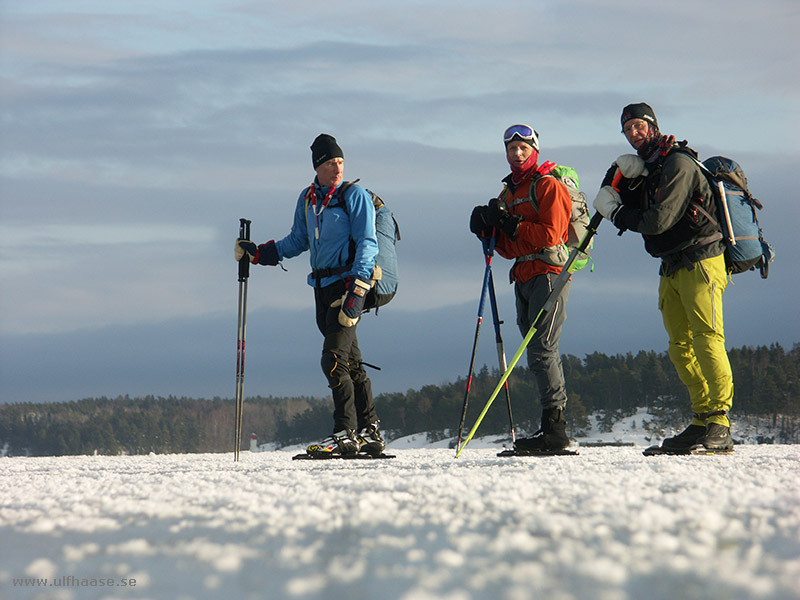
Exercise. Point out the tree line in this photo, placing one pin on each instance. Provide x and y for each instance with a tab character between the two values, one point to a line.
766	379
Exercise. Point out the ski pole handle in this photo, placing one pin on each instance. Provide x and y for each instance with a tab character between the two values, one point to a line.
244	263
488	245
615	187
244	229
616	180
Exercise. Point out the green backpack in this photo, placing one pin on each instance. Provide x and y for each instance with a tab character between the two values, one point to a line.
578	221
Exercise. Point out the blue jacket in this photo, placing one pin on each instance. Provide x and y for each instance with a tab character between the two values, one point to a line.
337	227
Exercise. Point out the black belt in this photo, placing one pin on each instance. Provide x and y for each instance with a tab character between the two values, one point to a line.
322	273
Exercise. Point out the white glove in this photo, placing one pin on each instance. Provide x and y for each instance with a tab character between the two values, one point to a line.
631	166
244	247
607	202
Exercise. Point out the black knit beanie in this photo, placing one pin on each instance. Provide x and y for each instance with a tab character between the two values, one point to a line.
639	110
324	148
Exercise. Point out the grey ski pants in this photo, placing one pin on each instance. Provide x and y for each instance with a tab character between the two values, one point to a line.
544	359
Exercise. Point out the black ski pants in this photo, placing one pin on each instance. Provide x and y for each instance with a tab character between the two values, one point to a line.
353	405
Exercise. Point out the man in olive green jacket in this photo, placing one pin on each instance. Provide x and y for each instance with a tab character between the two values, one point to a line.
664	196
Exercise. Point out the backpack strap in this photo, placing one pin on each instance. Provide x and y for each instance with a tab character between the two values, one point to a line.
531	195
311	190
339	196
726	229
552	255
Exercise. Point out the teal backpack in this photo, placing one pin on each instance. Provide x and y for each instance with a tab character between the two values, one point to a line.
745	246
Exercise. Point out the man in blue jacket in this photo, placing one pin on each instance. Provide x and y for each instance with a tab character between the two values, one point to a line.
339	231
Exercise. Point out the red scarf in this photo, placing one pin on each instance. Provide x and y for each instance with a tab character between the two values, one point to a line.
519	174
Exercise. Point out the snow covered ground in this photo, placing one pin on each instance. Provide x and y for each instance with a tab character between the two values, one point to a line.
609	524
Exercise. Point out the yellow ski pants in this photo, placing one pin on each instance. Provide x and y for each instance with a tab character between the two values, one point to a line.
691	306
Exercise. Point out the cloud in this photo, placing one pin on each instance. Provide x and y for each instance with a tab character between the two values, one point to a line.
79	235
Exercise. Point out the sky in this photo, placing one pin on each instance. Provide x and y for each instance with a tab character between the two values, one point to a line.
134	136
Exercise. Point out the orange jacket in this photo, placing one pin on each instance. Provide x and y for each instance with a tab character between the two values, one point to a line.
547	227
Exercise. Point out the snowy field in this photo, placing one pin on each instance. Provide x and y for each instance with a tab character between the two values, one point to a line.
609	524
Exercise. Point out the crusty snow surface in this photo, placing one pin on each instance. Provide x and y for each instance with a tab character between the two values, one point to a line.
607	524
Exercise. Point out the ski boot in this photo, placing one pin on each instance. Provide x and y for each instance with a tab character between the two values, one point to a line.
341	444
685	441
551	438
711	438
370	439
717	438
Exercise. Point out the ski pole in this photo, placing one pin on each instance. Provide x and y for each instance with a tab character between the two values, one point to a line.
241	333
501	353
558	286
488	250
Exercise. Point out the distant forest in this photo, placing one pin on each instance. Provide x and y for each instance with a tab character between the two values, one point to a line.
767	384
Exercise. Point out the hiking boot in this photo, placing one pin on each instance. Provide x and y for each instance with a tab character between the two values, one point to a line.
685	440
370	439
717	437
341	443
552	435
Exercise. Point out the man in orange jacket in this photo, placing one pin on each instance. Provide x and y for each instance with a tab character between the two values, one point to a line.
530	219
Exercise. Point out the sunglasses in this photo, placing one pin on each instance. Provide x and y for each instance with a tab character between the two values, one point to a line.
523	132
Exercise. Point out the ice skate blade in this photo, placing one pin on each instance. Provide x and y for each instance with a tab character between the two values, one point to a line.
359	456
697	451
564	452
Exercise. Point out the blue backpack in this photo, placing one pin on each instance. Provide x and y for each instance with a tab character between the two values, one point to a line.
388	233
745	247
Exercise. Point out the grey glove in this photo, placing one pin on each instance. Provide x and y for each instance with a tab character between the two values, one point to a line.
631	166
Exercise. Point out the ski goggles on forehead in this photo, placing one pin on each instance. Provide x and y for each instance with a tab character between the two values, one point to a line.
522	132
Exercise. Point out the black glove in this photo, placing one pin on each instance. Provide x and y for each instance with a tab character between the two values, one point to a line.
268	254
478	224
497	215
